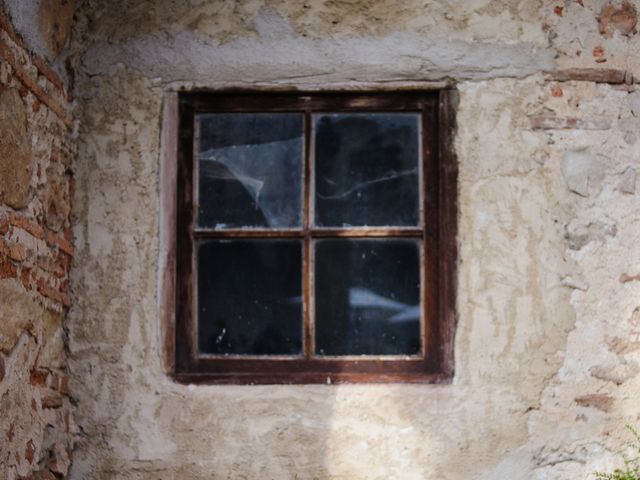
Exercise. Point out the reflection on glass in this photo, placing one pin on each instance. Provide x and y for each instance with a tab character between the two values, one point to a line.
367	295
249	297
250	170
366	169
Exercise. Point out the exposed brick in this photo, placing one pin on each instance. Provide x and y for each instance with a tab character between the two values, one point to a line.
44	475
61	155
39	260
22	75
598	75
50	266
60	242
64	286
4	224
52	401
600	401
7	269
37	60
626	278
29	451
38	377
63	385
52	293
598	54
556	91
63	260
27	225
25	278
17	252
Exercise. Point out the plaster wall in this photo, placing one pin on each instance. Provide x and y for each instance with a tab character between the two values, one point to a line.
547	346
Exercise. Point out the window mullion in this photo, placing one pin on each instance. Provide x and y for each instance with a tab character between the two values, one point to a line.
307	329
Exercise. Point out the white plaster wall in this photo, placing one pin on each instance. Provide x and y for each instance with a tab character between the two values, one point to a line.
546	347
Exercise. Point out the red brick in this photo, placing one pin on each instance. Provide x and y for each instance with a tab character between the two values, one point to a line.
598	54
60	242
38	377
25	278
28	82
27	225
52	401
4	224
52	293
626	278
50	266
44	475
63	385
600	401
7	269
30	451
37	60
17	252
63	260
556	91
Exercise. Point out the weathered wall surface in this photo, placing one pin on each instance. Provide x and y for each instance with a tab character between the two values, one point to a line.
547	345
37	430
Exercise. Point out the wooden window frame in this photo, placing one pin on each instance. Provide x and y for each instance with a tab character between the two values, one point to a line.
438	240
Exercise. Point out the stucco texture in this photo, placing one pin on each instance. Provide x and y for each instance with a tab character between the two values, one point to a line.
546	351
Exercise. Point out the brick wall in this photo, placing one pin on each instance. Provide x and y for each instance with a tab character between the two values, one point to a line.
36	182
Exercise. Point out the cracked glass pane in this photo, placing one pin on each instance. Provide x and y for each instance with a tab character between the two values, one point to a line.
366	169
367	296
249	170
250	297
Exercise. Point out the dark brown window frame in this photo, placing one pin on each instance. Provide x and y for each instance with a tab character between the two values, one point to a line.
438	239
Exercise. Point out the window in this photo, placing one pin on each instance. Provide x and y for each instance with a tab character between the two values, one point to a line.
315	237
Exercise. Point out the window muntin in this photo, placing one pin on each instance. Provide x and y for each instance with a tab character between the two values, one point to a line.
361	287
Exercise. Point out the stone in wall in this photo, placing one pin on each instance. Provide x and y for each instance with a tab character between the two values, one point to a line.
15	149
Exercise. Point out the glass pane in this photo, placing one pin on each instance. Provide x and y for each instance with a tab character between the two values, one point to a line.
250	297
367	297
250	170
366	169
